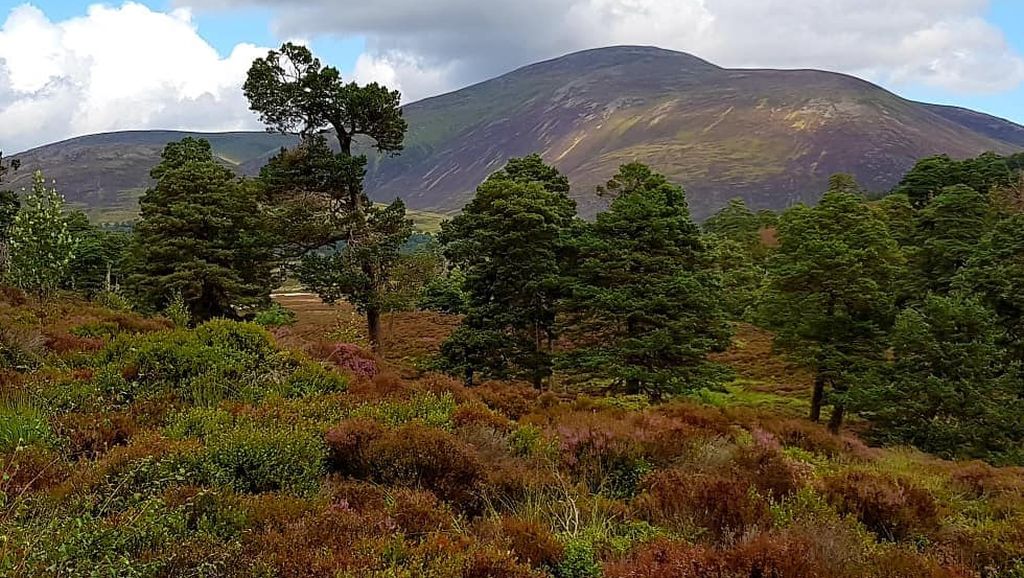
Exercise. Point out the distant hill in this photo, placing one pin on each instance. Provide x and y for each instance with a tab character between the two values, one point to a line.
772	137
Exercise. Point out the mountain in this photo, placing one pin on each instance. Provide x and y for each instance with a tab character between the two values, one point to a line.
770	136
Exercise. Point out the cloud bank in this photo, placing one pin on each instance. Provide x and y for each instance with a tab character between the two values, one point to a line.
130	67
442	44
115	68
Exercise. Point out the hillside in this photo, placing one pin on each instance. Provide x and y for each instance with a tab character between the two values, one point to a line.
296	456
770	136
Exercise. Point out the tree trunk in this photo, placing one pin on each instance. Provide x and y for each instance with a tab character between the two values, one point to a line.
818	397
836	421
373	326
538	381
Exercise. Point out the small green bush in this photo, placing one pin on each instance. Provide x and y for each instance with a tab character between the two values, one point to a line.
312	378
275	316
430	408
254	460
579	560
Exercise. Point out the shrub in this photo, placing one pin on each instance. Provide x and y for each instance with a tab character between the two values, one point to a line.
724	507
314	379
418	512
349	357
254	460
414	455
579	560
349	446
603	453
891	507
532	543
91	434
276	315
429	408
768	469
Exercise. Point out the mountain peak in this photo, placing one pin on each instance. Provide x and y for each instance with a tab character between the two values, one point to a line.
772	137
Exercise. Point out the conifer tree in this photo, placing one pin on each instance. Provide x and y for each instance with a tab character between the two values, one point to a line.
363	269
833	291
202	236
950	390
995	274
645	308
946	234
509	242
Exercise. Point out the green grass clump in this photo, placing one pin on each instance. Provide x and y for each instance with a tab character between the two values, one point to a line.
252	459
432	409
23	424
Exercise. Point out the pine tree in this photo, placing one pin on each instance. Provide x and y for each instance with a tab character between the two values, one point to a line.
995	273
833	290
949	391
202	236
645	307
946	234
509	241
364	268
734	238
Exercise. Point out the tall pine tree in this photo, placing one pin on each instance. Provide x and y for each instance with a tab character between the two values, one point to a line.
510	241
202	236
833	291
645	308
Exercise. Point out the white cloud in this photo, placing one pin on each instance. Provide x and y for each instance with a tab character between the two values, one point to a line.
115	68
941	43
130	67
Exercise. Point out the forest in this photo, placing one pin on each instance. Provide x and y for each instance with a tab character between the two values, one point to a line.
277	376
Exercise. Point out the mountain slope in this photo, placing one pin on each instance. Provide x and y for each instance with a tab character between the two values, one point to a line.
773	137
770	136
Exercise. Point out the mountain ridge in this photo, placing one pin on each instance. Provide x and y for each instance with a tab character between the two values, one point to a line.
770	136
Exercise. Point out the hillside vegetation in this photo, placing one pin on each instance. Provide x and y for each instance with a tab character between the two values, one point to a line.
135	449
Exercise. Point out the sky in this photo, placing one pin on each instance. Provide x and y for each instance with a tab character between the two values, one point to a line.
69	68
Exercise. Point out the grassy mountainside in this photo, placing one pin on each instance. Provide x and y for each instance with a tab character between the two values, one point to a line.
770	136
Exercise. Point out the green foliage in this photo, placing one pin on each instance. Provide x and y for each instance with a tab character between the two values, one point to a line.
833	291
10	204
645	306
444	293
217	360
946	234
430	408
100	259
510	242
293	92
313	196
256	460
930	176
364	270
42	246
579	560
735	222
177	311
949	392
275	316
995	273
23	424
202	235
